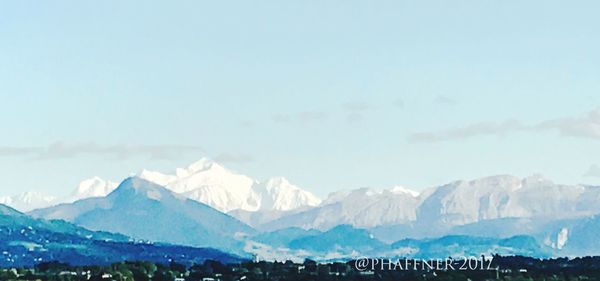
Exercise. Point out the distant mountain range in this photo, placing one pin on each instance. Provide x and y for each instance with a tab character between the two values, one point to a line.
346	242
27	201
204	181
145	210
208	205
25	241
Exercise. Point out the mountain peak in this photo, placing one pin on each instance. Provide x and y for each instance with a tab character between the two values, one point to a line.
137	206
201	165
278	193
280	183
403	190
204	165
28	201
139	186
494	180
536	179
94	187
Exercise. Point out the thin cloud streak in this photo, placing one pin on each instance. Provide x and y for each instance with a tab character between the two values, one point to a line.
303	117
478	129
355	111
356	106
444	100
587	126
65	150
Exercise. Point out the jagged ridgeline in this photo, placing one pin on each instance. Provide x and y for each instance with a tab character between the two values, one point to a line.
207	205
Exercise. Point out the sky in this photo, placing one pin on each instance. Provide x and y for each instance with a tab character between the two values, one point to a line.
330	94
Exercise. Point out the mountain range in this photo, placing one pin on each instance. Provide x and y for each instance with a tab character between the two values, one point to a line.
206	204
144	210
212	184
30	200
204	181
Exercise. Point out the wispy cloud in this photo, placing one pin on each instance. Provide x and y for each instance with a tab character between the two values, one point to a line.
586	126
356	110
62	150
398	103
356	106
246	124
303	117
281	118
16	151
478	129
311	116
444	100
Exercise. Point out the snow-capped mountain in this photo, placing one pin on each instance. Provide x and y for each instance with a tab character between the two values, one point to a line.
210	183
497	206
92	187
28	201
437	210
280	195
204	181
278	198
145	210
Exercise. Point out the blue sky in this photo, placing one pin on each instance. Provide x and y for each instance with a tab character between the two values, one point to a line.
333	95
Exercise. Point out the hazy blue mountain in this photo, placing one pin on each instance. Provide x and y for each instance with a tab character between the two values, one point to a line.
282	237
25	241
342	239
462	245
13	219
345	242
144	210
566	237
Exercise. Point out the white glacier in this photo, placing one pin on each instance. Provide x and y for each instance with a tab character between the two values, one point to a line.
28	201
210	183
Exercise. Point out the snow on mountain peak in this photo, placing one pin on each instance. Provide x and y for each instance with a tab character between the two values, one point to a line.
203	164
28	201
364	207
157	177
403	190
92	187
280	184
210	183
279	194
279	181
32	196
536	180
364	192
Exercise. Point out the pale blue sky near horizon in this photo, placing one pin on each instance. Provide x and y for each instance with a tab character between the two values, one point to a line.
332	95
